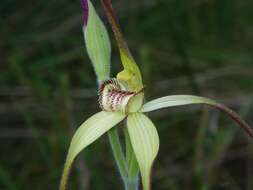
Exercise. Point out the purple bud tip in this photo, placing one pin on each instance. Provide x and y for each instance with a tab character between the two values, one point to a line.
84	4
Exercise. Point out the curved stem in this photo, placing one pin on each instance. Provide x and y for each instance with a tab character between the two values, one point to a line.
235	117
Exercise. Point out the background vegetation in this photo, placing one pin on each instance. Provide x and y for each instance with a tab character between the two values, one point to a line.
48	88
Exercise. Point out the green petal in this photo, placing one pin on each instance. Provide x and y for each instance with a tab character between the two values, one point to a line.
97	44
145	142
175	100
179	100
86	134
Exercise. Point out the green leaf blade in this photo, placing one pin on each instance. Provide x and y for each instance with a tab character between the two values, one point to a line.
98	44
86	134
145	142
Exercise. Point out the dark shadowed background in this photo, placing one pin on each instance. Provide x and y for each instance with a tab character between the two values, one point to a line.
48	88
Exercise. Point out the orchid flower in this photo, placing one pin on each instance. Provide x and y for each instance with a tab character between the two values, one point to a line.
122	98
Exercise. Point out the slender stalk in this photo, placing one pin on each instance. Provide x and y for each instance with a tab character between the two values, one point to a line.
233	115
127	165
133	168
236	118
131	186
118	153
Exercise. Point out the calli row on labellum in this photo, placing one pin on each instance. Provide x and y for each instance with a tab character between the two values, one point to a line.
116	96
122	98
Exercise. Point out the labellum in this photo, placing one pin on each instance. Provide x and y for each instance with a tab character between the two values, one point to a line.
114	96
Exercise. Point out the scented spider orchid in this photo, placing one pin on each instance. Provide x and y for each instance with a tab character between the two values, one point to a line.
122	98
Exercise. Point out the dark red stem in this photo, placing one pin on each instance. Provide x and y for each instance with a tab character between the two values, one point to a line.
236	118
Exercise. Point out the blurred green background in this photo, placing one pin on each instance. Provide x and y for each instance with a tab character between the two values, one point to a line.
48	88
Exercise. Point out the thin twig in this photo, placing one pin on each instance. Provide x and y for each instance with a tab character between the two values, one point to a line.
236	118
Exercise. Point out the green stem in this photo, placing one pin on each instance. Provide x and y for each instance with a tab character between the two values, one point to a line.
133	168
131	185
127	166
118	153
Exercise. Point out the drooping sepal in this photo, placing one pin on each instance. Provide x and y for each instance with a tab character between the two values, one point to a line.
86	134
145	143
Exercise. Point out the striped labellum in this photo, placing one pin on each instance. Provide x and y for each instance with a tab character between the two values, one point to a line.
114	96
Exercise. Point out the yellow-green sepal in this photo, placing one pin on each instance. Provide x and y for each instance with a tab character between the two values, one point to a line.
131	72
180	100
175	100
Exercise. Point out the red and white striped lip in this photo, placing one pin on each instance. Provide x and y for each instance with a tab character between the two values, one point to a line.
114	96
